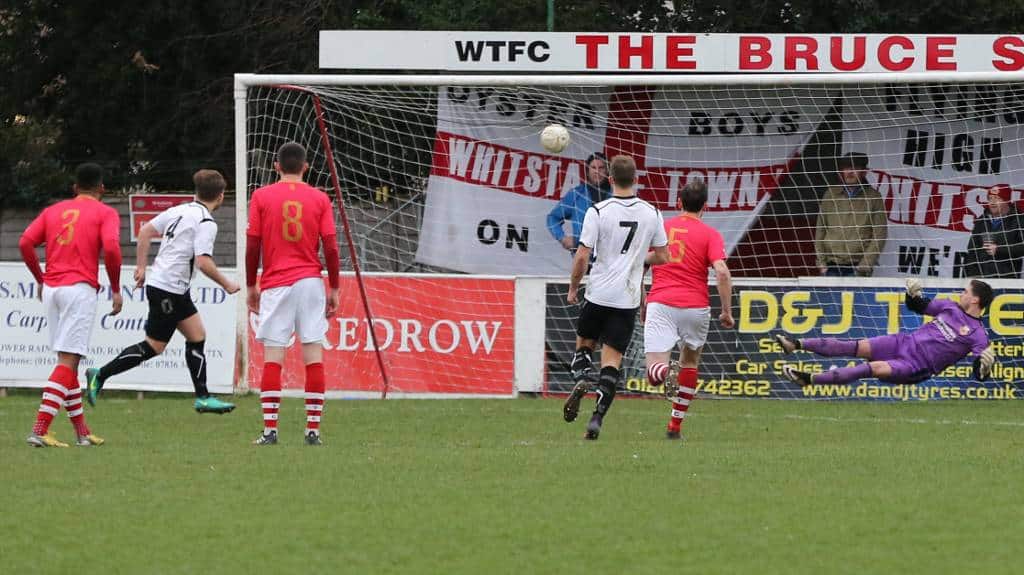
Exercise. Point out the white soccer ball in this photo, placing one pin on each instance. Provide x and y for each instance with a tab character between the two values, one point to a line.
554	138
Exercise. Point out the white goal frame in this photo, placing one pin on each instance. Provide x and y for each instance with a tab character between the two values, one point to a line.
242	82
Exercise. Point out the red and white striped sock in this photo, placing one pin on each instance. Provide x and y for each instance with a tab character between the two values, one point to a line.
73	405
656	373
681	404
54	392
314	396
270	395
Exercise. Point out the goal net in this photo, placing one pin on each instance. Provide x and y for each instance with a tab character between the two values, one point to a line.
456	226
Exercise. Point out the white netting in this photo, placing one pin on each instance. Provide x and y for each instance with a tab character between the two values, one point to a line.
452	180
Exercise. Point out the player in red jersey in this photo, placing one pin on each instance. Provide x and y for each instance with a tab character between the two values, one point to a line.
287	223
678	307
74	231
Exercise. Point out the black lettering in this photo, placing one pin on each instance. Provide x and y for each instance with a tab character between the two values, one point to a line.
991	156
911	259
724	121
1013	104
482	230
516	48
482	95
958	264
963	108
790	122
555	112
933	261
520	238
458	94
469	50
963	152
495	46
583	116
532	103
760	120
892	99
535	51
937	94
700	124
939	151
985	100
506	104
915	148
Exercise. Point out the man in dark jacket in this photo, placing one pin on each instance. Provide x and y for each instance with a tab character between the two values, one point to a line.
997	240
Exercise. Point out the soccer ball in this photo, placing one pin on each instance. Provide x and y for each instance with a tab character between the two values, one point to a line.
554	138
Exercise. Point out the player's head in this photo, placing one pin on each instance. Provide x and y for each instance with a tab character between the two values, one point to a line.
209	185
597	169
853	168
623	172
694	196
291	160
89	179
977	296
999	198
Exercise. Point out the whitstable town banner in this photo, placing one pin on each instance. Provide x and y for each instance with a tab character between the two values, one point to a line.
492	186
26	358
669	53
933	151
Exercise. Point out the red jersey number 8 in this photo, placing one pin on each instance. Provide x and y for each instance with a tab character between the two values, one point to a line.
291	212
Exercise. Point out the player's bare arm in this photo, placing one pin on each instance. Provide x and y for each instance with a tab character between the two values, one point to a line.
723	279
210	269
579	267
658	256
146	236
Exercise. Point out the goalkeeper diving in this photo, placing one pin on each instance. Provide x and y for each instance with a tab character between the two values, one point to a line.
908	357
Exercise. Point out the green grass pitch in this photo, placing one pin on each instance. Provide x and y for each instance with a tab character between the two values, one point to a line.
505	486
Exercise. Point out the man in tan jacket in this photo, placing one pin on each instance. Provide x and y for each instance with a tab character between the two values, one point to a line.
851	222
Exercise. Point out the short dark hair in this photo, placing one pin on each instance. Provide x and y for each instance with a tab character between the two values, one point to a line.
291	157
983	292
596	156
209	185
695	195
89	176
623	171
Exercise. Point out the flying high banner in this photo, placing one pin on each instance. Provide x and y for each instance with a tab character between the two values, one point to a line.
492	186
933	152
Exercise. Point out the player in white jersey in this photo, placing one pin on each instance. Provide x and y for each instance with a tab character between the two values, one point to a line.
619	232
189	232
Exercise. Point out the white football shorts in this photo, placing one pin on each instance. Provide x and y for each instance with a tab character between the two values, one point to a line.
299	308
71	313
667	325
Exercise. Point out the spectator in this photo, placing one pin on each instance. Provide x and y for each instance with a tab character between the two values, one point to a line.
852	225
574	205
997	240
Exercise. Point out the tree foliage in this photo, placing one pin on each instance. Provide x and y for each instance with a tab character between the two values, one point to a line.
145	86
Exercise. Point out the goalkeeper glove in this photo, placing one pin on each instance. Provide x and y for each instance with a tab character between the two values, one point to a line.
914	287
987	359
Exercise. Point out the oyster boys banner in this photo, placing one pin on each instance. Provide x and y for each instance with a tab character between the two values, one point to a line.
492	186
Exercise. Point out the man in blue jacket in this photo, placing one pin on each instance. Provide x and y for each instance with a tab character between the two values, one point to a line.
574	205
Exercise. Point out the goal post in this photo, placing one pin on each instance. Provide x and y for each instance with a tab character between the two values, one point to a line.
448	207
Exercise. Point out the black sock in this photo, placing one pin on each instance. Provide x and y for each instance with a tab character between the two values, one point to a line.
606	387
129	357
195	358
581	361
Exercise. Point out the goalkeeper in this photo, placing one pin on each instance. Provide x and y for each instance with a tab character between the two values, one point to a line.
908	358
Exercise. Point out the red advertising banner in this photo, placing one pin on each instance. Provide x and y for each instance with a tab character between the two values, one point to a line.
144	207
438	336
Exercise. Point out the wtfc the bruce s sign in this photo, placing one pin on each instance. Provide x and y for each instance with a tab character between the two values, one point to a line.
570	52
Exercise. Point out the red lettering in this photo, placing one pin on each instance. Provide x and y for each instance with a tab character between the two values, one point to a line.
939	47
755	53
1013	59
676	48
836	54
592	42
645	51
885	53
801	48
